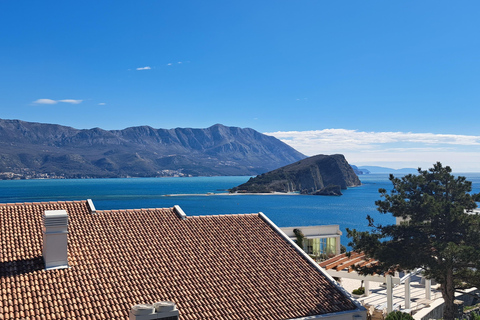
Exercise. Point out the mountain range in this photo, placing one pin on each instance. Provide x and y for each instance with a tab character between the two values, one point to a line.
38	150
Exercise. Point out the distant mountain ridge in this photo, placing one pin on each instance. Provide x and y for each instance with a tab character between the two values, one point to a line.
377	169
359	171
320	174
49	150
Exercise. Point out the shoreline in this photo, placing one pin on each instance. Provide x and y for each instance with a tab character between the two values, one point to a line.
231	194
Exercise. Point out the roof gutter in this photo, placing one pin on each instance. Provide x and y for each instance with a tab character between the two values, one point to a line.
357	315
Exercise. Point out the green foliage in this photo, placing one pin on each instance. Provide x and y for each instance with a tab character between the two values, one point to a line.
299	235
264	183
474	316
398	315
439	232
359	291
343	249
475	306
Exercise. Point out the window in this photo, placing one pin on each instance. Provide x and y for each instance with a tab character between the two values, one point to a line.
320	246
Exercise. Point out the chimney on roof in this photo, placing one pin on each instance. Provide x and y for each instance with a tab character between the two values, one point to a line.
55	231
164	310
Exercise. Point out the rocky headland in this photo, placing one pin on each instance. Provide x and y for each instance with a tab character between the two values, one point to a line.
318	175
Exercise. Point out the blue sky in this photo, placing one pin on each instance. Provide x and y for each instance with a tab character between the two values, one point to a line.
392	83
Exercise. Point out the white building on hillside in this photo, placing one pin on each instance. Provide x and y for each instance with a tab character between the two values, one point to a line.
321	241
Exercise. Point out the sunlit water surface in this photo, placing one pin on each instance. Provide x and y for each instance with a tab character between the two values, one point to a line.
207	196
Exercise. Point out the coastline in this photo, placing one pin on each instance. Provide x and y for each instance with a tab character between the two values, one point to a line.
231	194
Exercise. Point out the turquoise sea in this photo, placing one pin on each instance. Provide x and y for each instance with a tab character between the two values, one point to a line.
208	196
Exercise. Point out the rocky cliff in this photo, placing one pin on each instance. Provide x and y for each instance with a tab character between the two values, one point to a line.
47	150
321	174
359	171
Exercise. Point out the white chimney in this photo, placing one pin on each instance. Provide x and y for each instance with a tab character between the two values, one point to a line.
91	206
164	310
55	232
180	212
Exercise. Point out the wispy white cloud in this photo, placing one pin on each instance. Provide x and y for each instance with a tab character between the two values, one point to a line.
71	101
51	101
45	101
178	62
400	149
350	138
168	64
102	104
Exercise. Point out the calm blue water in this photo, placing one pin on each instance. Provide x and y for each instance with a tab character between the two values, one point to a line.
349	210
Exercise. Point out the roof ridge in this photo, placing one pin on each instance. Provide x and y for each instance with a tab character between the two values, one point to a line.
222	215
131	210
308	258
40	202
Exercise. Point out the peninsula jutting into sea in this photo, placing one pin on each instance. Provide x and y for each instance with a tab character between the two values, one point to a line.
317	175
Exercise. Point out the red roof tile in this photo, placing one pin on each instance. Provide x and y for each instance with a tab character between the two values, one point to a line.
214	267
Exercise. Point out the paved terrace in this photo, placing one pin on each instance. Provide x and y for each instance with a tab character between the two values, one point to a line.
420	298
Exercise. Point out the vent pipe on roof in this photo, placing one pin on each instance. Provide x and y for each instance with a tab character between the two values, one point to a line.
91	206
164	310
55	232
180	212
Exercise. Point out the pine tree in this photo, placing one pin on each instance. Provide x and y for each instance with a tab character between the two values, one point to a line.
439	233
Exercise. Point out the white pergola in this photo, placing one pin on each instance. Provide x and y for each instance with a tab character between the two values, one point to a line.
341	266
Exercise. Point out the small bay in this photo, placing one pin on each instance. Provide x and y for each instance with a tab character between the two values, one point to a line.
209	196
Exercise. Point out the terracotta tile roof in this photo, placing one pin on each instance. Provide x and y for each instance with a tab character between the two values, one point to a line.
212	267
